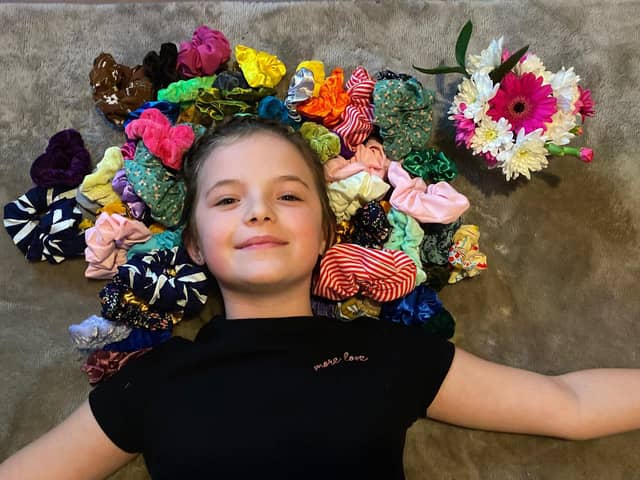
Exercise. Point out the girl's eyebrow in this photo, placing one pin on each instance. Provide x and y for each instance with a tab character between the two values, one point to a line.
281	178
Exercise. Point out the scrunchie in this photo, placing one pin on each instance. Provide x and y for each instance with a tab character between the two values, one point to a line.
407	236
184	91
119	304
53	237
402	110
161	68
324	143
437	240
356	124
138	339
101	364
97	186
347	269
436	203
356	307
332	100
371	229
159	241
346	196
207	51
168	109
64	163
95	332
88	207
230	80
301	87
107	242
166	280
166	142
316	67
118	89
128	150
120	184
211	103
261	69
430	165
464	254
369	157
272	108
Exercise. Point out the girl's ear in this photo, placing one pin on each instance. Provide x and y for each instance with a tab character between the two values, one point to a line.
193	249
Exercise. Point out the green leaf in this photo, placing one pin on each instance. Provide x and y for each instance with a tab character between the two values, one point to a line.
439	70
498	73
463	42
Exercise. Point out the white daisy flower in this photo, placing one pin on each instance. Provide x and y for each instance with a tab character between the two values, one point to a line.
475	93
528	154
488	59
533	64
558	130
565	88
491	136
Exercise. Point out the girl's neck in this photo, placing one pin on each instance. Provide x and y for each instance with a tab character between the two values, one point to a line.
266	305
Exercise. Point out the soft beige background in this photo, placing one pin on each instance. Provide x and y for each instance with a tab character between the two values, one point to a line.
561	292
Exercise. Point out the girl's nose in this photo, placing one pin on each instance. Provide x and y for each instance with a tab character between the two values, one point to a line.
259	210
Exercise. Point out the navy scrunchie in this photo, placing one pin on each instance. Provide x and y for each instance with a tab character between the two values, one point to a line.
138	339
52	237
168	109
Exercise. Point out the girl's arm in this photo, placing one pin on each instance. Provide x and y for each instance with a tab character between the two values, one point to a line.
75	449
577	406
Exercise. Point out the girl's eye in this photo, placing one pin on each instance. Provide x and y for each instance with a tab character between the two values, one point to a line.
225	201
289	197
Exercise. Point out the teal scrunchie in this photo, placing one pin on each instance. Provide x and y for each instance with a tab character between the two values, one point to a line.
431	165
406	236
402	111
160	241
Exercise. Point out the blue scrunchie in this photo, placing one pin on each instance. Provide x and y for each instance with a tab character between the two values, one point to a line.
53	237
170	110
272	108
138	339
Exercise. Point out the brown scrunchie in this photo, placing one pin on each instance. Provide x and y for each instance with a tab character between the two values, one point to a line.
118	89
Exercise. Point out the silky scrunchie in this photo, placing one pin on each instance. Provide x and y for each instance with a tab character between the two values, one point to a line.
356	307
301	89
370	227
161	68
347	269
168	109
107	242
101	364
211	103
324	143
332	100
64	163
53	237
166	280
207	51
159	241
261	69
97	185
166	142
95	332
407	236
464	254
316	67
437	241
369	157
402	110
346	196
184	91
436	203
120	184
118	89
138	339
430	165
357	118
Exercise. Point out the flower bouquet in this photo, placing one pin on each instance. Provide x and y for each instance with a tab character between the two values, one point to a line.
513	112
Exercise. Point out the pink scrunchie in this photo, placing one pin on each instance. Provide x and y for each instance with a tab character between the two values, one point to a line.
203	55
436	203
166	142
108	241
382	275
369	157
357	118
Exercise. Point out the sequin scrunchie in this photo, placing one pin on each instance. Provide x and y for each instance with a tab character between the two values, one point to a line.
369	157
347	269
64	163
357	119
207	51
260	69
370	227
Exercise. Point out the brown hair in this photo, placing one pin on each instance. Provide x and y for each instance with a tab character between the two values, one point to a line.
239	128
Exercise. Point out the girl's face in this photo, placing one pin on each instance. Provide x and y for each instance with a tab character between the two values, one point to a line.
257	215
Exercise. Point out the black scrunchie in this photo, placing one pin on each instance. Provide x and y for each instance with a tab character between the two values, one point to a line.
161	69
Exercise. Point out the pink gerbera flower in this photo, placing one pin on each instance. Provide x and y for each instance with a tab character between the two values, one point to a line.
584	105
524	101
465	127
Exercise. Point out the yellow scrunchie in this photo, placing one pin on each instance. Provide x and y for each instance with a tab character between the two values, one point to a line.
317	68
260	69
97	185
348	195
326	144
464	254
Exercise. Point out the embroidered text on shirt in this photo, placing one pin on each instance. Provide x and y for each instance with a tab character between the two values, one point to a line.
346	357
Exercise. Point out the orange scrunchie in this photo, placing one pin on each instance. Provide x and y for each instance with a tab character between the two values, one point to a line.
332	100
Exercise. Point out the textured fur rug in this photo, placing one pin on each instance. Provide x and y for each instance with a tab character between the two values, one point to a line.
561	291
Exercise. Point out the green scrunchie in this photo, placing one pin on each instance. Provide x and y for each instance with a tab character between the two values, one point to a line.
184	91
160	241
248	95
326	144
402	111
406	236
430	165
211	102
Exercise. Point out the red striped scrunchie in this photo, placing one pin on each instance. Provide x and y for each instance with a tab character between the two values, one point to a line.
357	118
382	275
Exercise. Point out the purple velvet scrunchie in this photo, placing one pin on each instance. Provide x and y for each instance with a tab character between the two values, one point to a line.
122	187
64	163
204	54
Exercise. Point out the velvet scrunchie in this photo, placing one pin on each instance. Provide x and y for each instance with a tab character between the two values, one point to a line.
128	149
272	108
356	121
347	269
230	80
107	242
324	143
166	239
437	241
118	89
207	51
137	208
166	280
210	102
168	109
43	224
464	254
260	69
184	91
64	163
436	203
97	186
402	111
368	157
161	68
346	196
138	339
431	165
95	332
370	227
332	100
166	142
101	364
407	236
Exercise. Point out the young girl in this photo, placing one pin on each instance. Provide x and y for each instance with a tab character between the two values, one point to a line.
272	391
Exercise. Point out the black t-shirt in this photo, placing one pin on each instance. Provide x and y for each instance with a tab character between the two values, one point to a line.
298	397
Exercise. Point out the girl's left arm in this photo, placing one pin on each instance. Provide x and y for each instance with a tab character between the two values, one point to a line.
579	405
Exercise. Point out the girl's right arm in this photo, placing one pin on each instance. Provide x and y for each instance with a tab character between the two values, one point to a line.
77	449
